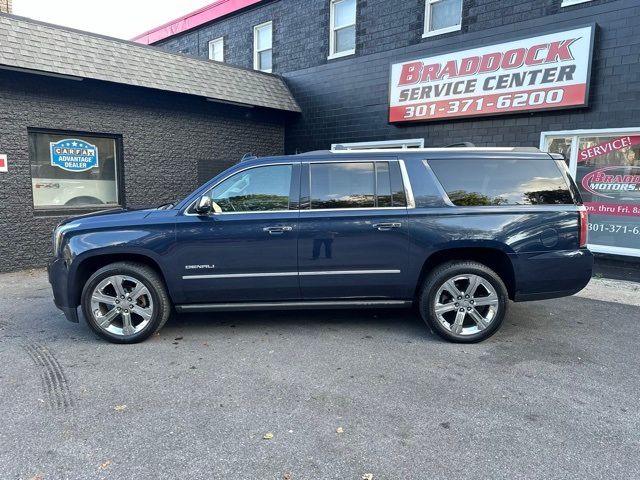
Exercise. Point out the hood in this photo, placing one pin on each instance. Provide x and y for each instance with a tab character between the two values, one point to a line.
114	216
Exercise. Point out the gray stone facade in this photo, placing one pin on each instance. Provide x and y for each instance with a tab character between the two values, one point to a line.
171	144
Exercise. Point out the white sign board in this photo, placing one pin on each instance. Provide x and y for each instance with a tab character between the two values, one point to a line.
537	73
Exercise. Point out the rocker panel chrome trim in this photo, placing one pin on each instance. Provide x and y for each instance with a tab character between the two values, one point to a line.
294	305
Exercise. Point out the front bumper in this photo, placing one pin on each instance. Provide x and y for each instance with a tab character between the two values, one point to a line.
59	280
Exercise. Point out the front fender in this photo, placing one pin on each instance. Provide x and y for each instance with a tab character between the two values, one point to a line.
83	252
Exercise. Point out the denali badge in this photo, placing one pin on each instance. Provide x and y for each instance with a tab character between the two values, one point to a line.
199	267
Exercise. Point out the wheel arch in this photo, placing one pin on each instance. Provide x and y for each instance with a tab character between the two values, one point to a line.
87	266
494	258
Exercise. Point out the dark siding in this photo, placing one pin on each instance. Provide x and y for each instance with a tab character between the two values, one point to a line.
172	143
346	99
301	27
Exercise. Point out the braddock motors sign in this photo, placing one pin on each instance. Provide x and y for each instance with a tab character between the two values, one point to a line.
544	72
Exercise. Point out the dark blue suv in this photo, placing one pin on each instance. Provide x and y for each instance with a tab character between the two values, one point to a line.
456	231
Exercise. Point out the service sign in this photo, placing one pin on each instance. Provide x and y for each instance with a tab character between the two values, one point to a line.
544	72
74	155
609	174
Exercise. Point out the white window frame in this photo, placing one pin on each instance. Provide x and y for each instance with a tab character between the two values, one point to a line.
212	44
256	52
568	3
427	20
332	30
403	144
573	168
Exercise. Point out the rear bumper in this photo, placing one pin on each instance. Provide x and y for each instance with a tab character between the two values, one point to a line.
58	278
552	274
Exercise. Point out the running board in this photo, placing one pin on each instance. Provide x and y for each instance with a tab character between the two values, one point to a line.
297	305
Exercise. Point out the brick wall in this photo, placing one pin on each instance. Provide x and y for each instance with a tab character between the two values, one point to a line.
5	6
346	99
172	143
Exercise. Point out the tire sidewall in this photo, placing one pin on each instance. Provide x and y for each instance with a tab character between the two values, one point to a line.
428	300
139	275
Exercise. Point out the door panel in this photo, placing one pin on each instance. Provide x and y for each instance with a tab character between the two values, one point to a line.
248	252
353	230
238	258
342	254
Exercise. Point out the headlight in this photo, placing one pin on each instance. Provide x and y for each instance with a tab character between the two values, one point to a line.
57	240
58	236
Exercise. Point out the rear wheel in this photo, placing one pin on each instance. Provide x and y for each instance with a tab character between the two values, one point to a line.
464	301
125	302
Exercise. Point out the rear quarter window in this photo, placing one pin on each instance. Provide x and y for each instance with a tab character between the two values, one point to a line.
487	182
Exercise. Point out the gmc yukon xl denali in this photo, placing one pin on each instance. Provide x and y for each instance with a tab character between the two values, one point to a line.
458	232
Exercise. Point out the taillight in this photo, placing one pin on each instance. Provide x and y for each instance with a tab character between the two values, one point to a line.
584	227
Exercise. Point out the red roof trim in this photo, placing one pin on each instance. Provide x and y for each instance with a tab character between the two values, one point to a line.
192	20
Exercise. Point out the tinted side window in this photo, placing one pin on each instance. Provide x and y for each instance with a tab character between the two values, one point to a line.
342	185
398	194
383	185
502	182
356	185
258	189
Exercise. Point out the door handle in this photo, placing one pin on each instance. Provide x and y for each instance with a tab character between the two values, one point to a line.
385	227
276	230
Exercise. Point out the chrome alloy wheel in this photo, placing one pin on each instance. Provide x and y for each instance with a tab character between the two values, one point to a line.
466	304
121	305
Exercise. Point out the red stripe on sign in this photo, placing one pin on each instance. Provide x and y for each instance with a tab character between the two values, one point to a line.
613	209
536	99
3	163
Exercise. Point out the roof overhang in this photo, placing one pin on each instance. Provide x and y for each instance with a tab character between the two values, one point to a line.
207	14
43	49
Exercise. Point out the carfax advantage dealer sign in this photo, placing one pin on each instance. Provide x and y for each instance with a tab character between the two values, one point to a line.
537	73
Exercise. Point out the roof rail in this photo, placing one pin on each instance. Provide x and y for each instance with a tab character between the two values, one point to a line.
317	152
526	149
406	151
460	144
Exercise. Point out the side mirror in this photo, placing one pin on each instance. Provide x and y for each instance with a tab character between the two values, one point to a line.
204	205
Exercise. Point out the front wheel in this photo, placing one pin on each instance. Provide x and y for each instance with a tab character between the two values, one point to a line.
464	301
125	302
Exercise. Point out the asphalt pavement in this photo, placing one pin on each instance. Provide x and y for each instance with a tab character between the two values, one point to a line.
337	394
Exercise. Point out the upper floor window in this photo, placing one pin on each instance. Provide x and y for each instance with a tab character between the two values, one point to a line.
263	47
442	16
216	49
342	40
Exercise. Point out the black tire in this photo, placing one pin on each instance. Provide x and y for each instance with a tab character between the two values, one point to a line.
161	304
427	301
